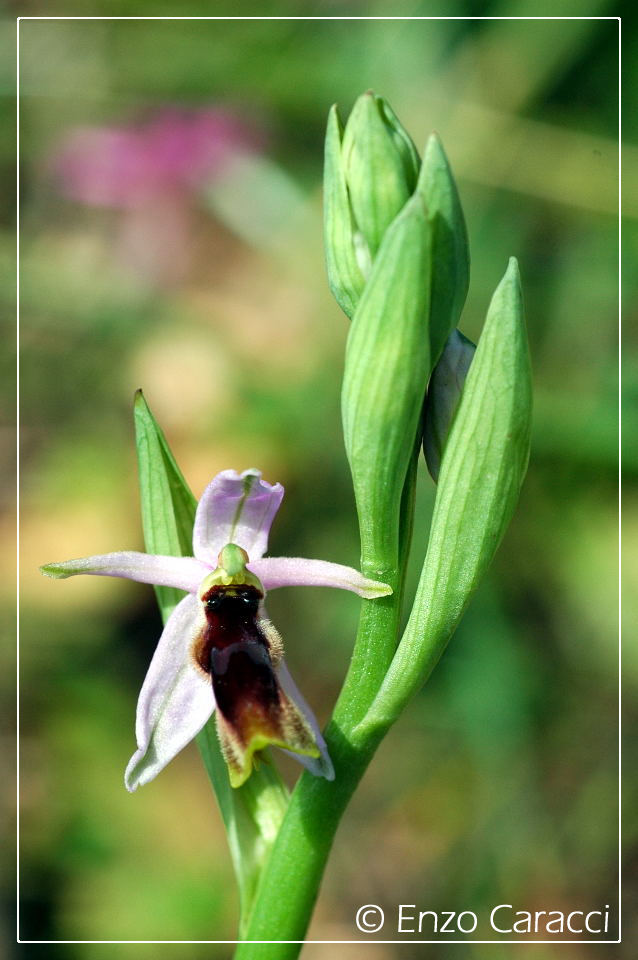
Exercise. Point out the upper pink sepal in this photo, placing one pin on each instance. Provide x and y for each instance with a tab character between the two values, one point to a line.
235	508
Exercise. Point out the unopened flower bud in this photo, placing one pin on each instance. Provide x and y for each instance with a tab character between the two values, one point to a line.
371	170
341	239
386	371
381	165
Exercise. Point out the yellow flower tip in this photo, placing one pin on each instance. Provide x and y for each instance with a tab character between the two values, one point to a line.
258	722
239	772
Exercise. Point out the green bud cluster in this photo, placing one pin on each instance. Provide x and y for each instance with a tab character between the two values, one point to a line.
396	253
381	166
398	265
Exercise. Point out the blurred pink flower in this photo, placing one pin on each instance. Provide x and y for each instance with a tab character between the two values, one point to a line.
153	171
125	166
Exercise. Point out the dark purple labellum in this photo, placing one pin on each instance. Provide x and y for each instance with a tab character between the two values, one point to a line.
252	709
235	652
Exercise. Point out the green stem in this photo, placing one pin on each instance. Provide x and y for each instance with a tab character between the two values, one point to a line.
289	884
375	645
252	815
376	641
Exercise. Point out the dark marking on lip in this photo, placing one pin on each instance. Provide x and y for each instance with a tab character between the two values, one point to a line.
234	651
252	709
231	617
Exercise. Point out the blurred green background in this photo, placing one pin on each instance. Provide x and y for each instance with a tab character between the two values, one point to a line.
207	288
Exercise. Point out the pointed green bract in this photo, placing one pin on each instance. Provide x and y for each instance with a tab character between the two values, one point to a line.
450	252
386	371
444	396
251	813
482	470
168	506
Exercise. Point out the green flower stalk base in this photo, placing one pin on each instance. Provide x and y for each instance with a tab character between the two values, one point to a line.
289	884
398	265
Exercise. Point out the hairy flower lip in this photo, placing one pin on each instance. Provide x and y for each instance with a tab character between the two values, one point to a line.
176	700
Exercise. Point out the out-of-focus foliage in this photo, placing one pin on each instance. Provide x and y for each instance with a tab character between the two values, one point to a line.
499	782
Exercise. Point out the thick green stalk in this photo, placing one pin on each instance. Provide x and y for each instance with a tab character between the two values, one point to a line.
374	649
289	884
291	881
377	634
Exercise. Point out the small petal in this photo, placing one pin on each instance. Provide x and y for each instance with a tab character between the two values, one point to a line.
299	572
321	766
235	508
175	702
185	573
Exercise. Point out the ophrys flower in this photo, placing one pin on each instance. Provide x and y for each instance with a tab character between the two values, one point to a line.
218	640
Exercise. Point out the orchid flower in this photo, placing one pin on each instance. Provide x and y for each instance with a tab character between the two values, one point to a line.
218	646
